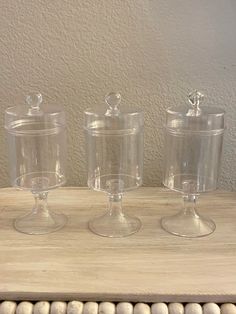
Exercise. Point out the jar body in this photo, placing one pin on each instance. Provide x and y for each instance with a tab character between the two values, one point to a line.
115	154
192	158
37	154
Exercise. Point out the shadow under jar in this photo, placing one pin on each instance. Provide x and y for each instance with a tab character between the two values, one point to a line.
37	152
194	138
114	141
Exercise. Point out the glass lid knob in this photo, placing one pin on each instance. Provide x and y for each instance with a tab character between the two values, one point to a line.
195	98
34	100
113	101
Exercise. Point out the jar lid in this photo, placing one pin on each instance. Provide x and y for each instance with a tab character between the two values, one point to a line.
194	117
111	116
34	117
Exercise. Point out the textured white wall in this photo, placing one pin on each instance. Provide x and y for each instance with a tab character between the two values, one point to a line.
153	51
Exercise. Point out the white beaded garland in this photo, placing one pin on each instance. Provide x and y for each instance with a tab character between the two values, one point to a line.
77	307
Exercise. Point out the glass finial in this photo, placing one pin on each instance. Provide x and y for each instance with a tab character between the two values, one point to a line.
195	98
113	101
34	100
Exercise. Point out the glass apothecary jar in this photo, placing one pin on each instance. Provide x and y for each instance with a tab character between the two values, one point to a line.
114	142
194	138
37	156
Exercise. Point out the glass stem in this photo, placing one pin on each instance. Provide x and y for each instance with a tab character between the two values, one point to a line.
41	204
190	205
115	205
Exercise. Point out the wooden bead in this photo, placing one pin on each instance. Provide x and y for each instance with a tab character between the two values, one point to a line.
228	308
124	308
8	307
90	308
24	308
159	308
42	307
58	307
106	308
75	307
211	308
193	308
142	308
176	308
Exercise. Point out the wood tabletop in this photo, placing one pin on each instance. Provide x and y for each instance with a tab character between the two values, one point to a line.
149	266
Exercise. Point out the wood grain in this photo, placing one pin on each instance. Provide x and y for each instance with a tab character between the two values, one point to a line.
150	266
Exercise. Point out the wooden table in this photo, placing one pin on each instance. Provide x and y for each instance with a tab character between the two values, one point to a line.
150	266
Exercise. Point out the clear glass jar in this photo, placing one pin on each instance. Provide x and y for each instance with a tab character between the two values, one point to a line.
194	139
114	141
37	154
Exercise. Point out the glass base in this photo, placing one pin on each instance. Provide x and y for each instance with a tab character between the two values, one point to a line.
188	225
40	222
114	226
